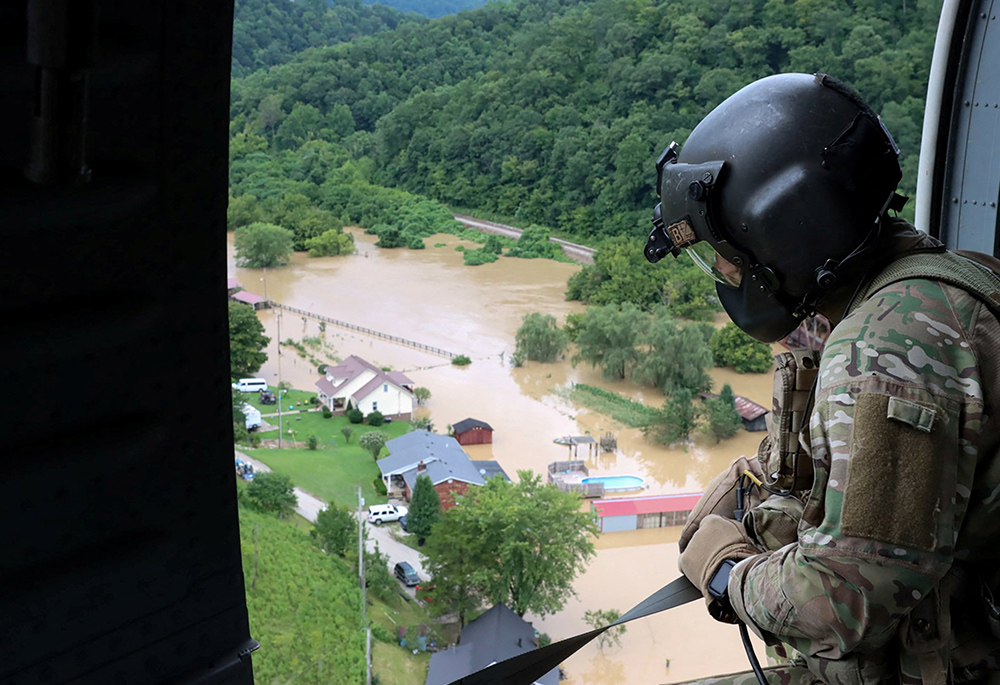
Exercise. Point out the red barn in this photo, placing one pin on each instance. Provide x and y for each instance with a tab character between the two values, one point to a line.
473	432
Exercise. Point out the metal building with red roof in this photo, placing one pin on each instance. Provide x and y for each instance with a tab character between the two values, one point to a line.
650	511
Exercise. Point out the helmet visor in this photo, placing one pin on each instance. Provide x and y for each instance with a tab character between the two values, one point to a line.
718	267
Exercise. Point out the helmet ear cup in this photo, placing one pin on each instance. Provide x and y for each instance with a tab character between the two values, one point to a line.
826	275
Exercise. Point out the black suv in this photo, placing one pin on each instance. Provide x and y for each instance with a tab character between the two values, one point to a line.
405	574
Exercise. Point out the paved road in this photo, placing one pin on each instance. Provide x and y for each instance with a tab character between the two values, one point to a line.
309	507
579	253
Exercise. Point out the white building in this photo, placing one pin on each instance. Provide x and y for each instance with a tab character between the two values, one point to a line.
367	388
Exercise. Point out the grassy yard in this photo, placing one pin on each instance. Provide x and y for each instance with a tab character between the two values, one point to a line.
304	424
297	399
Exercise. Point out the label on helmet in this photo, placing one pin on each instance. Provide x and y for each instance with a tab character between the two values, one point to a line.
681	233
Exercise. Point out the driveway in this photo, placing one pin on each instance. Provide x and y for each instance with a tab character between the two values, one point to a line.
309	507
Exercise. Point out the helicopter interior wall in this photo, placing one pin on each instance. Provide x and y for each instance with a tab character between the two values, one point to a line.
120	558
967	182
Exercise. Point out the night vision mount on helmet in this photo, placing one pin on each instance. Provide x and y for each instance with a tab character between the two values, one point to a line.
786	180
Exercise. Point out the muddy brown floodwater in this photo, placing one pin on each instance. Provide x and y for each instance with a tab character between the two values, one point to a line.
431	297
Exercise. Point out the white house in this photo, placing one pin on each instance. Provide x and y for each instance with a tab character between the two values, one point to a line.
367	388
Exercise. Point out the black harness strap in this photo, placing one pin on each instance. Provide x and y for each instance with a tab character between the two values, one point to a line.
528	667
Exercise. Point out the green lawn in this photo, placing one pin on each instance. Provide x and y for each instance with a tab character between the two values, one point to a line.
333	472
304	424
297	399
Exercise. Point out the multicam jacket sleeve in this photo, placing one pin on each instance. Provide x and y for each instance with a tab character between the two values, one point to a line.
894	439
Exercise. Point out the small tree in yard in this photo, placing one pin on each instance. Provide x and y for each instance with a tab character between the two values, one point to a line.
348	432
355	415
335	529
272	492
539	338
723	419
676	419
312	442
425	505
373	441
376	418
421	394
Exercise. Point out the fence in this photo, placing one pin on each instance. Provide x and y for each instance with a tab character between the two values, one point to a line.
368	331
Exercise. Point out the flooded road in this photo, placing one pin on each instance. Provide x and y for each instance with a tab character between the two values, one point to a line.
431	297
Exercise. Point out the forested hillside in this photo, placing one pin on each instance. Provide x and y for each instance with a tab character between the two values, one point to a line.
269	32
552	111
432	8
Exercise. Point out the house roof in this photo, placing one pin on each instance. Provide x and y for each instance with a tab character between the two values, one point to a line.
488	469
441	471
232	283
354	366
399	378
748	409
248	297
327	387
408	450
469	424
630	506
496	635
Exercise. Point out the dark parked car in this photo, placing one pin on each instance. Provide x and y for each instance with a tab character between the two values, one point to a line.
402	523
405	574
268	398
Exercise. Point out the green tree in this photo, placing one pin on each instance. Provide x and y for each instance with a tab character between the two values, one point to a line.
524	543
272	492
539	338
608	337
259	245
247	341
335	529
674	357
676	419
421	394
242	211
373	441
240	433
598	618
425	506
723	421
330	243
312	442
375	418
348	432
732	347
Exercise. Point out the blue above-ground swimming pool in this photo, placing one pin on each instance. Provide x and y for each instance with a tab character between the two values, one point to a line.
613	483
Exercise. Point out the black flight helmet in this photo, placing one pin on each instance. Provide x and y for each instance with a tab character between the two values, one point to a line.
786	180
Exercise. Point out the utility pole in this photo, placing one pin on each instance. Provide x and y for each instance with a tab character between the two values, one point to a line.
278	313
364	593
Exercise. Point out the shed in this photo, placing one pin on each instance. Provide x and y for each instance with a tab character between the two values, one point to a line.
252	299
632	513
232	285
473	432
754	416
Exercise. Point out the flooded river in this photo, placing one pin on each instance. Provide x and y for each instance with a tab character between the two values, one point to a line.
431	297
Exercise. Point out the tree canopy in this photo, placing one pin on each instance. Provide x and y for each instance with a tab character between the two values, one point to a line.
260	245
247	341
539	338
520	543
608	337
733	347
425	506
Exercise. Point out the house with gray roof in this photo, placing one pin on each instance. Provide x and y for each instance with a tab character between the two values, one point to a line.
366	387
439	457
497	635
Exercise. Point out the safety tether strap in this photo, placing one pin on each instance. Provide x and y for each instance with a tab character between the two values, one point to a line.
960	270
528	667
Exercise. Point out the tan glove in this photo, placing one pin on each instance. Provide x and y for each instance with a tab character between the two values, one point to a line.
720	497
716	540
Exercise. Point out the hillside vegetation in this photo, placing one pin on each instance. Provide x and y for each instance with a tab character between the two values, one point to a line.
552	111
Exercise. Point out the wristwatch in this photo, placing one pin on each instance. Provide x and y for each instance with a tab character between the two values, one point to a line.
718	588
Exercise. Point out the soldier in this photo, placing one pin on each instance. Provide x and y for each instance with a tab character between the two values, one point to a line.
866	534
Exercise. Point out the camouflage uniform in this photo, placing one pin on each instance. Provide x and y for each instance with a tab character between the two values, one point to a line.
883	579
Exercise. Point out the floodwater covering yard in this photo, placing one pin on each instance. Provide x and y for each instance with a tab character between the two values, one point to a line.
431	297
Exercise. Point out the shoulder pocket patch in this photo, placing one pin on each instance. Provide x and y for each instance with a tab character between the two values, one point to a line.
896	473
